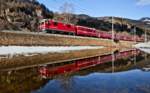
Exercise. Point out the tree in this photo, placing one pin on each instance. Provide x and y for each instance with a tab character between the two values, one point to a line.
66	13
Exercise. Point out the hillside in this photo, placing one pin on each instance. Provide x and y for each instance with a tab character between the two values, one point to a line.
122	25
22	14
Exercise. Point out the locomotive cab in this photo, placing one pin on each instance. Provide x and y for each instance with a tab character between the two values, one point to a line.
43	25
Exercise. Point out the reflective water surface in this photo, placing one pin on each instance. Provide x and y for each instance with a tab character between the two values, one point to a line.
119	72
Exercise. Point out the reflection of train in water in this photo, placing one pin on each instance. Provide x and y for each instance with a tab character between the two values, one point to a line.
51	26
85	63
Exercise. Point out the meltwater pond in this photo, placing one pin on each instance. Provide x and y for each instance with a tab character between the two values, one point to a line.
120	72
132	81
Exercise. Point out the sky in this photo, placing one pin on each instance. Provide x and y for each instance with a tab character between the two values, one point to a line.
133	9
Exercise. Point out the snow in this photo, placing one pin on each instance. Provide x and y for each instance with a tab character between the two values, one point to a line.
143	47
13	50
146	20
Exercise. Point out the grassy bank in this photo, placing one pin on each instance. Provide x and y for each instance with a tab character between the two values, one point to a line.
34	39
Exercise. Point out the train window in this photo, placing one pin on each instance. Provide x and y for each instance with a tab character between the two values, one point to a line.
48	23
42	23
68	26
88	29
81	28
55	23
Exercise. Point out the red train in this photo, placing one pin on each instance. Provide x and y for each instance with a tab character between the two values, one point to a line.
85	63
51	26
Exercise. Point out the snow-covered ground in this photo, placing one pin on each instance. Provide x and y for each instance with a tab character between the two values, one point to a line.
143	47
13	50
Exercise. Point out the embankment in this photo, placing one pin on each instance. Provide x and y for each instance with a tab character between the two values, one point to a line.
34	39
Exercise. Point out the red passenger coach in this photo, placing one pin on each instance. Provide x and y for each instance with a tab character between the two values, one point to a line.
104	35
85	31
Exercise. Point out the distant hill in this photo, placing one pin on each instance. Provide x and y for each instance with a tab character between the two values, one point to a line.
120	24
145	19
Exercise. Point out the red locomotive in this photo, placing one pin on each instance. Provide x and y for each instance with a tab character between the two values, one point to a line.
51	26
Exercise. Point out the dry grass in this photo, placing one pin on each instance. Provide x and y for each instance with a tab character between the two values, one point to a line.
32	39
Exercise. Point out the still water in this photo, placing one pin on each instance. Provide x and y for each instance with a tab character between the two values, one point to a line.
119	72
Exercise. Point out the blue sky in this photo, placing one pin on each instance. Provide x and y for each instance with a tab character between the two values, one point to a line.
134	9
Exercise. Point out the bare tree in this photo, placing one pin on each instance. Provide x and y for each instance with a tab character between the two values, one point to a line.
66	13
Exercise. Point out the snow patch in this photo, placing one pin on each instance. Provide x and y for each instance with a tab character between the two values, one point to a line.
143	47
13	50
